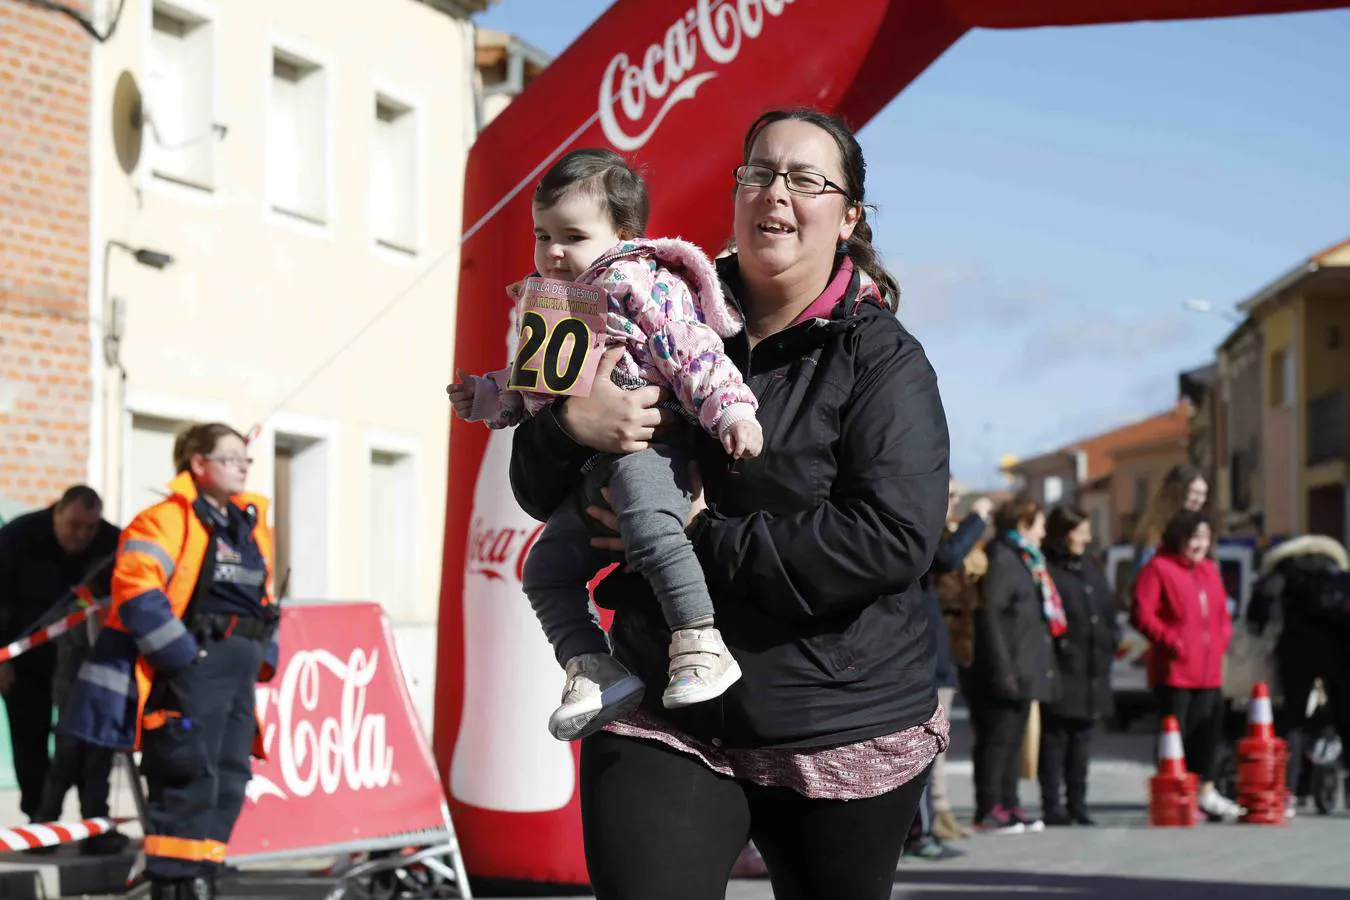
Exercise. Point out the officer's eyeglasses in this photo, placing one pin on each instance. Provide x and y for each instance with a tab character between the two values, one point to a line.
239	462
799	182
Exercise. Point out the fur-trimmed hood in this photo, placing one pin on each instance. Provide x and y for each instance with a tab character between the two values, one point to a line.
686	259
1308	545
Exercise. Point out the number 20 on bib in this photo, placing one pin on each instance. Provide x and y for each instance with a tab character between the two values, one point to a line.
562	334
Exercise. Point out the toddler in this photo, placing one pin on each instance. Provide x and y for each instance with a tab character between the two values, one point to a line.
665	307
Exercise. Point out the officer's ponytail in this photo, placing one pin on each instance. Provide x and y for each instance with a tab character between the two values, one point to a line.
200	439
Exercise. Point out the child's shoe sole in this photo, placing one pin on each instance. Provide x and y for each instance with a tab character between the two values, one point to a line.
579	720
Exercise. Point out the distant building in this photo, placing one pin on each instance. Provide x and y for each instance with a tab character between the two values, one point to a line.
1285	460
1110	475
505	66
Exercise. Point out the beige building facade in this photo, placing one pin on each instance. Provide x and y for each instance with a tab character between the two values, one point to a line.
303	171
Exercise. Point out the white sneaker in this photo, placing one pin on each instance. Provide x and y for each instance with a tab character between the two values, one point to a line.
598	690
1218	807
701	667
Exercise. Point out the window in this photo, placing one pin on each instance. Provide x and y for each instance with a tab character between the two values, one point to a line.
1141	496
393	175
393	526
297	139
180	97
1053	489
148	466
301	508
1283	379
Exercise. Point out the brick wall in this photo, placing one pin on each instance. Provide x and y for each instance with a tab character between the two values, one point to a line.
45	387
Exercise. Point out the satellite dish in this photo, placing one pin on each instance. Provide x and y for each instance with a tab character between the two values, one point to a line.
127	122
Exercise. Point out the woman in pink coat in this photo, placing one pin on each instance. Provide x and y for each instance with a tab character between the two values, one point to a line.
1181	606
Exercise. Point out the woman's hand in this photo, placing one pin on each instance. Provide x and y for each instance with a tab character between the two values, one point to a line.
611	419
606	516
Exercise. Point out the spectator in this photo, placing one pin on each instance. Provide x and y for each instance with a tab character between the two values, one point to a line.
43	556
1084	655
1180	605
1183	487
936	823
1014	663
1305	583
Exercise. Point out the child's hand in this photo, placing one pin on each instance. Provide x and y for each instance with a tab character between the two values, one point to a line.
744	440
461	395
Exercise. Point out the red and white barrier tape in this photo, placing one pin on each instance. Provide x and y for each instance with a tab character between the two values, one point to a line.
43	635
51	834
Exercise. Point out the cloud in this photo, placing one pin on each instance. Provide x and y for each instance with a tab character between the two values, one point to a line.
948	296
1089	335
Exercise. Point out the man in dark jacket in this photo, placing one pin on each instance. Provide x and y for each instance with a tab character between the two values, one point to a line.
1305	583
936	822
43	556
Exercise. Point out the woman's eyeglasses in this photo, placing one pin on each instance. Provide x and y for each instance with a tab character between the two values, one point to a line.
799	182
239	462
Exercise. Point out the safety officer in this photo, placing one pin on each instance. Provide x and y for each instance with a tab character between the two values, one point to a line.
192	628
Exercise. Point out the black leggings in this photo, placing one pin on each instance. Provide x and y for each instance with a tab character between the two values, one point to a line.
659	825
1199	713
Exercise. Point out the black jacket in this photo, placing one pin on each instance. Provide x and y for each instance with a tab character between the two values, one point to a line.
1305	582
1086	650
35	574
1014	653
813	551
953	548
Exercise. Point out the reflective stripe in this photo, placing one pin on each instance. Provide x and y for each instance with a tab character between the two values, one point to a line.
106	677
161	637
184	848
150	548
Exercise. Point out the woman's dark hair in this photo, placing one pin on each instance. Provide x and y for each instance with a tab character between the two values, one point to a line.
200	439
606	176
860	248
1180	529
1062	520
1020	510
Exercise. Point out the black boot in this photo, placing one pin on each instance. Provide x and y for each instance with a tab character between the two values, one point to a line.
164	890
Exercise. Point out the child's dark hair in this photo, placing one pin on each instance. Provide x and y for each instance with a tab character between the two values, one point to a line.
604	175
1180	529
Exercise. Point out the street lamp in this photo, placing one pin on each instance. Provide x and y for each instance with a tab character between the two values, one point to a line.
1206	308
155	259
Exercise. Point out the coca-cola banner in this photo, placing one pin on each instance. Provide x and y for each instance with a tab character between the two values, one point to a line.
346	760
673	84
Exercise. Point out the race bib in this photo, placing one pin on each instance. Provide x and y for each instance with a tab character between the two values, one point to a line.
561	336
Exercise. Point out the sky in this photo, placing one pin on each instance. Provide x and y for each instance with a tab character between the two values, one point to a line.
1051	198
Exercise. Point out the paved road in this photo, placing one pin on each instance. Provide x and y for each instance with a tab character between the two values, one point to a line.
1122	859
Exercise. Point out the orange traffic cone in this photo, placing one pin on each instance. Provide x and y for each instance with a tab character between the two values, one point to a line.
1260	718
1262	760
1172	792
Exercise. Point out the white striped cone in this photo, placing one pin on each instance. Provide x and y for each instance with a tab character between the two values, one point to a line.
1171	752
52	834
1260	718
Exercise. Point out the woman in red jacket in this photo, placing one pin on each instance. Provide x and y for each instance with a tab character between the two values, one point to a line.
1181	606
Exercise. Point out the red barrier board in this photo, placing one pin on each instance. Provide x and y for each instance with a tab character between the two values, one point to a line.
346	759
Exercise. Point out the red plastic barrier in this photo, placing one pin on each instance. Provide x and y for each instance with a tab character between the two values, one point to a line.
346	759
673	83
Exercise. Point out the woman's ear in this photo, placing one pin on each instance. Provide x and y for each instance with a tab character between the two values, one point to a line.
852	215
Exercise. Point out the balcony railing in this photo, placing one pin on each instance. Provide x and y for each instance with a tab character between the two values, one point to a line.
1329	427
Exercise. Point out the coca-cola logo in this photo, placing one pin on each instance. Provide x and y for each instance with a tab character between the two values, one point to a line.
325	753
665	72
499	553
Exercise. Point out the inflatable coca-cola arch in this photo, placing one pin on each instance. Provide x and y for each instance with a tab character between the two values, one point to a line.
672	83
